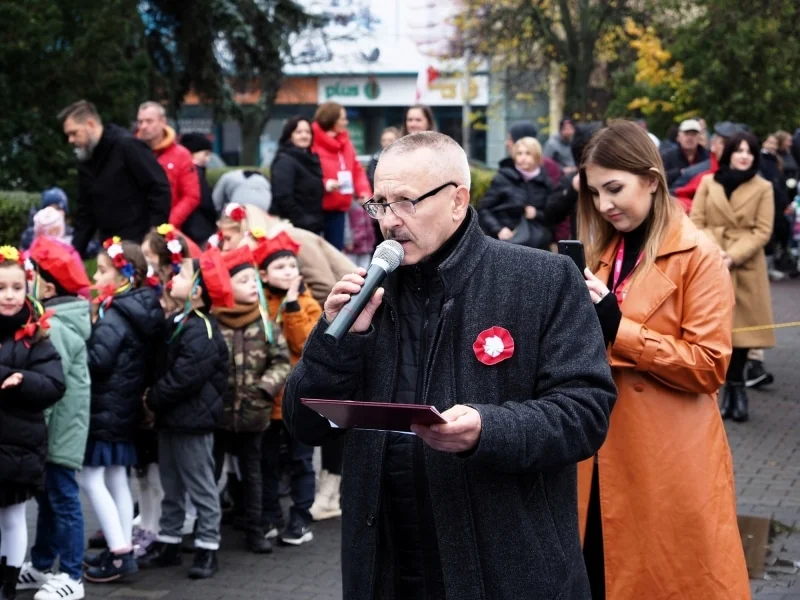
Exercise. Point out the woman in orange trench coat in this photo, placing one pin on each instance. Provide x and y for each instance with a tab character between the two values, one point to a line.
667	505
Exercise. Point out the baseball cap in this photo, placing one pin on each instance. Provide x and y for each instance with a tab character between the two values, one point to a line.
691	125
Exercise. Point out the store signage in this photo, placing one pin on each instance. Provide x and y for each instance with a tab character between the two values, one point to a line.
401	91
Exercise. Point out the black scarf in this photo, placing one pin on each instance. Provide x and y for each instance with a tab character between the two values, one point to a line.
730	179
9	325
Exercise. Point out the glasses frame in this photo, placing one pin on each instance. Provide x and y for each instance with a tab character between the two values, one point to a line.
371	202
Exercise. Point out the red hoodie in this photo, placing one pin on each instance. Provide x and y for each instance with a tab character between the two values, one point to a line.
337	154
686	193
183	180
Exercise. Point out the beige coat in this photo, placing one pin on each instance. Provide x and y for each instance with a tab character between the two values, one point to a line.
667	498
742	227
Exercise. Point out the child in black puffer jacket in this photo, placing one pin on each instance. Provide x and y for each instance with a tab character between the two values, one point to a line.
31	380
128	327
187	401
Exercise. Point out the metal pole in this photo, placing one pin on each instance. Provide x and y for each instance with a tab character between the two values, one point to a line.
466	108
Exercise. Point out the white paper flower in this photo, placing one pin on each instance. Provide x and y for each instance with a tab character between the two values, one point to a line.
174	246
113	250
493	346
213	241
28	264
150	271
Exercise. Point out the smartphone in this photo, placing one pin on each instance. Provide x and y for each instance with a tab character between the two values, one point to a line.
574	249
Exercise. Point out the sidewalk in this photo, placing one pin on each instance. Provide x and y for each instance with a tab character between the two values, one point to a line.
766	454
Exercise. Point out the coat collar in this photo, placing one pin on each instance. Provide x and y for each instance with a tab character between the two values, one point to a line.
456	270
331	144
679	238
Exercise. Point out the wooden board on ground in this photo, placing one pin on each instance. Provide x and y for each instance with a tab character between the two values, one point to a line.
755	540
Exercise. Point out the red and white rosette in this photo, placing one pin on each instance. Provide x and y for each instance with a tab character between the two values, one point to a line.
494	345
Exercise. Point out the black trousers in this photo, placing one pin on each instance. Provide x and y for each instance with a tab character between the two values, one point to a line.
736	367
246	447
593	542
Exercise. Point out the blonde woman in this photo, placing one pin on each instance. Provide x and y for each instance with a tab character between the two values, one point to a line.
658	500
513	208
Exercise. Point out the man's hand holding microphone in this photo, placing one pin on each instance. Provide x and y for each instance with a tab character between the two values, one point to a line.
350	307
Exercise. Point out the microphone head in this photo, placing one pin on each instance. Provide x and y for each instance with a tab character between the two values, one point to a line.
390	253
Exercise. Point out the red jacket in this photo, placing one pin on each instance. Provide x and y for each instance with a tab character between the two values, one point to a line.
686	193
182	175
337	154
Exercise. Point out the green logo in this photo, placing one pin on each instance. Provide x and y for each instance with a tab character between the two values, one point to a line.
372	90
340	90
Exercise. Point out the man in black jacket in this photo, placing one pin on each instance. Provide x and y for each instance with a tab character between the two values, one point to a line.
688	152
122	190
504	342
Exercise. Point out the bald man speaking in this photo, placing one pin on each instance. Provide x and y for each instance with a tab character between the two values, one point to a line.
503	340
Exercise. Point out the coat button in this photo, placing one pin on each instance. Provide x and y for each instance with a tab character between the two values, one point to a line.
638	387
370	520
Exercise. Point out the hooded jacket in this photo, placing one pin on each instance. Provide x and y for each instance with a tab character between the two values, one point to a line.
68	420
182	176
121	350
23	433
121	190
192	377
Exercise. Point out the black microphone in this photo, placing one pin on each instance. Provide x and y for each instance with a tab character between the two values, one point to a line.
388	256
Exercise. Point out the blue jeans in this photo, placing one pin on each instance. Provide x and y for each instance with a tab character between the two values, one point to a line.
302	471
334	228
59	527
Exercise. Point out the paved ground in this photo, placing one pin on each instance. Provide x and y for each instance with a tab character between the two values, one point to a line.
766	456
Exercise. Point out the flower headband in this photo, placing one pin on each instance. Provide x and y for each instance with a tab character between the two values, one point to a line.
113	247
11	254
174	245
235	212
257	234
214	241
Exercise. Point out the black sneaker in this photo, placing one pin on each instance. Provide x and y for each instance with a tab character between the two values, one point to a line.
160	554
205	564
296	534
258	542
755	374
95	560
114	567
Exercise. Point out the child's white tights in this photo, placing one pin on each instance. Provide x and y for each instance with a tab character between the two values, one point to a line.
13	534
110	495
150	496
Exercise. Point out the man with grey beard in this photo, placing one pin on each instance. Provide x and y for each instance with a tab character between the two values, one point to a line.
122	190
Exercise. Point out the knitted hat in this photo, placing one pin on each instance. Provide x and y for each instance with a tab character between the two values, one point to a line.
238	260
215	279
49	221
195	142
55	197
270	249
522	129
55	263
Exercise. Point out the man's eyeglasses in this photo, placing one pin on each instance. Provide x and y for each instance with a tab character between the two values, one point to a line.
402	208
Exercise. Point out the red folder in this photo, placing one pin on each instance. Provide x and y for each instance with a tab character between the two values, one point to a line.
383	416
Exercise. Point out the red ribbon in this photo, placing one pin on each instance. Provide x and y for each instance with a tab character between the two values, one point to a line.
29	329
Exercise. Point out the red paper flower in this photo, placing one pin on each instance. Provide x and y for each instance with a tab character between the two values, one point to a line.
493	345
119	261
237	214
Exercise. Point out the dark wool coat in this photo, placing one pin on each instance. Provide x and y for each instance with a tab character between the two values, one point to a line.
297	188
122	190
187	397
505	515
122	352
23	433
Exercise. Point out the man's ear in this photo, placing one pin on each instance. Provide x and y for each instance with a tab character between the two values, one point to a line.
460	202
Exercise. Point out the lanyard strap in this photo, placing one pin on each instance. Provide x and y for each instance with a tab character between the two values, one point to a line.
342	166
617	286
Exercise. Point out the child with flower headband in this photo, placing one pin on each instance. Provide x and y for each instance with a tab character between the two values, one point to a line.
57	280
233	226
259	366
186	399
128	326
31	380
165	249
295	310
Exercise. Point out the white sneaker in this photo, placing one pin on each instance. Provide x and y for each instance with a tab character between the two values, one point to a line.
31	578
61	587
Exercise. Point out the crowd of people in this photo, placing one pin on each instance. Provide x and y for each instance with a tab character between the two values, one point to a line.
174	378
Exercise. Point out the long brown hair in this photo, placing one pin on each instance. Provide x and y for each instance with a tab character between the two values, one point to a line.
133	254
426	110
624	146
